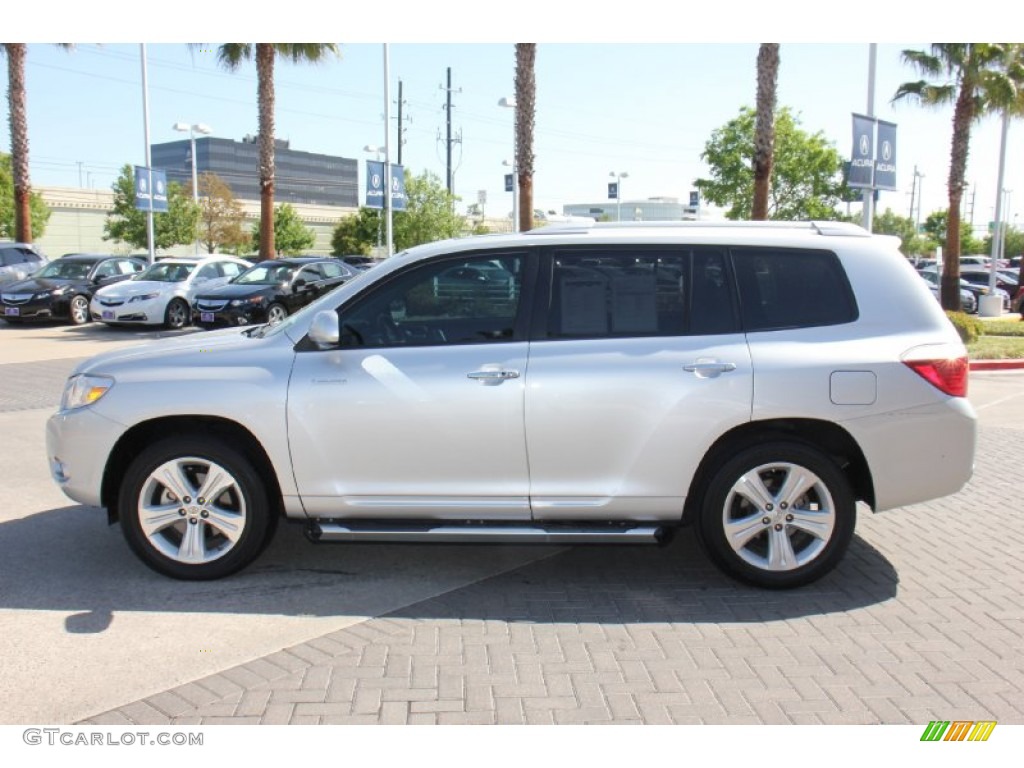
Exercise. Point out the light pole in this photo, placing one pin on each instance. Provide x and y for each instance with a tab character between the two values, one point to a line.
618	192
510	103
511	164
192	131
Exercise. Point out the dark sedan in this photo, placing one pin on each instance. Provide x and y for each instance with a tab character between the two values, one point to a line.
63	288
269	291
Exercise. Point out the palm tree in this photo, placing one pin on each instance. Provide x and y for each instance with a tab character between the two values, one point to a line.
526	108
16	100
231	55
764	131
976	79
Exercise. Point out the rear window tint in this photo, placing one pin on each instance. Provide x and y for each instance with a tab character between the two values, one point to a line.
792	289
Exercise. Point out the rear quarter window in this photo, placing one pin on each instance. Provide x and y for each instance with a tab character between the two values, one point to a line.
782	288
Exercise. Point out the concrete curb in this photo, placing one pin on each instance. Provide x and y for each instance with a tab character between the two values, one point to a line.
997	365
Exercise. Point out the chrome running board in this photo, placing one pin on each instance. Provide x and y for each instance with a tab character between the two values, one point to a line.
483	533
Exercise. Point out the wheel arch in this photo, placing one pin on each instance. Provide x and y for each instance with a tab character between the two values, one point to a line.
825	436
145	433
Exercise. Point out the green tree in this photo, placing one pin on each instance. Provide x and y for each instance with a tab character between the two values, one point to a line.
1013	244
429	215
357	234
764	129
18	114
936	226
290	234
127	224
231	55
526	110
40	212
977	78
806	179
890	223
221	217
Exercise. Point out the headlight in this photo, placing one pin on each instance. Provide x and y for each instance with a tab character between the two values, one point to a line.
143	297
241	302
84	390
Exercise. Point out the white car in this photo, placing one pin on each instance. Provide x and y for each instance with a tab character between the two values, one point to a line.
163	293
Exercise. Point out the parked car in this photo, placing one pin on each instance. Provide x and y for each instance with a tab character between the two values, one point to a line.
269	291
18	261
753	380
1006	281
63	288
968	294
359	261
162	295
480	279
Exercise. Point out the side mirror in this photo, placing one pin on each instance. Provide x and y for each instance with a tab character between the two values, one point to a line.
325	331
299	284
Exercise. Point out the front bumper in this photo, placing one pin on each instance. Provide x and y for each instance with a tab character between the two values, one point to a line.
247	314
36	309
78	443
149	312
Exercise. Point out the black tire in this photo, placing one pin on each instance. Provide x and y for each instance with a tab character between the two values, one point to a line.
826	504
242	507
78	310
177	315
276	312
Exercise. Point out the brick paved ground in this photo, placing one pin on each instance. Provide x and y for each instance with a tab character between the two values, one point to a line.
924	620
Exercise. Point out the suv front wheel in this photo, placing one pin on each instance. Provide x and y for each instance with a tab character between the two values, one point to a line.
778	515
193	508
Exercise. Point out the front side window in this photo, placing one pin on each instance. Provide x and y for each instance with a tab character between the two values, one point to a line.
455	301
792	289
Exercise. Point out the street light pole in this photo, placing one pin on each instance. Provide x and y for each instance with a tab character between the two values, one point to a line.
618	192
193	129
510	103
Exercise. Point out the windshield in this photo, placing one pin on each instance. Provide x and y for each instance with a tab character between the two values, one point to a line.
67	270
266	274
162	272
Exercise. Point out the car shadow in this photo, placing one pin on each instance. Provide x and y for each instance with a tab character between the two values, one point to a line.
68	560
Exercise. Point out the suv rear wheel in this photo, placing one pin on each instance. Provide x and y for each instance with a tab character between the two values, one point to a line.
193	508
778	515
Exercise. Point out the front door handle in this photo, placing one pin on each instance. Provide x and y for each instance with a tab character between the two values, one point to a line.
709	368
494	375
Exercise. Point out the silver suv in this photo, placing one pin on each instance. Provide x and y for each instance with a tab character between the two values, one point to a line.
606	383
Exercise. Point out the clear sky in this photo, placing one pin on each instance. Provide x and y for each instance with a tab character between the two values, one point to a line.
639	92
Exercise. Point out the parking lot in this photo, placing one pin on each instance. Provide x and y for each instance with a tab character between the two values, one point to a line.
922	621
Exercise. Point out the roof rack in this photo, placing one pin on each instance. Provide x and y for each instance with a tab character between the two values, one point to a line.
826	228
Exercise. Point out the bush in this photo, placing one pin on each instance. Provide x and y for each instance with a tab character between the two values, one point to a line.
969	328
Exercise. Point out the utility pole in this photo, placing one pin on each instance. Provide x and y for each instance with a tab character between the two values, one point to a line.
913	190
449	141
401	131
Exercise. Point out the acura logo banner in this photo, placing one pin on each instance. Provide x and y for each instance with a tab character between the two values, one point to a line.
862	161
873	159
885	162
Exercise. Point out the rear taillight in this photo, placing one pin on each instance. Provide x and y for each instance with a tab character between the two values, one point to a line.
948	375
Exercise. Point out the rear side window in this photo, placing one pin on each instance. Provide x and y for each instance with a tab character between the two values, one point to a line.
623	292
792	289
